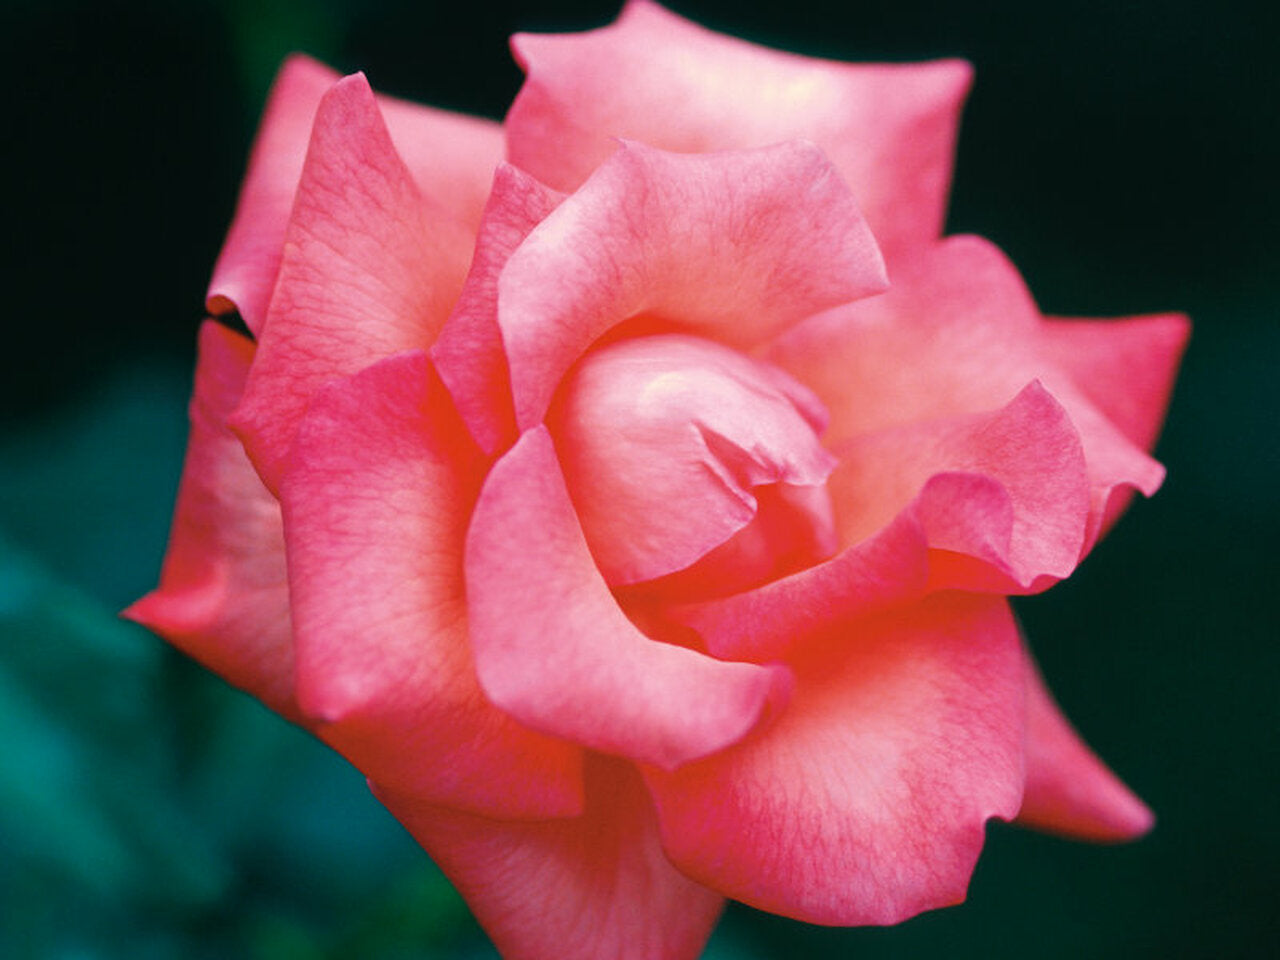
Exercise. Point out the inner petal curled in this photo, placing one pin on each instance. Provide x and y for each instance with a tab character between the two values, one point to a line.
687	458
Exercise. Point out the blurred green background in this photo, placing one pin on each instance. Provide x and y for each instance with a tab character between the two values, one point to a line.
1124	153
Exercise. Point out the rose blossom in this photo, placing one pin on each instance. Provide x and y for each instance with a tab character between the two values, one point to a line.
638	514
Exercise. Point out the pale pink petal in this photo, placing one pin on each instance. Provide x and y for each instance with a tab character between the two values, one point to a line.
958	333
1125	366
376	503
469	352
865	801
223	595
245	272
554	650
586	888
663	441
369	268
653	77
734	246
1069	790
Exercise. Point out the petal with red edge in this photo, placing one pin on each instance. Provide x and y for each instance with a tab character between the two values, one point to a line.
958	333
223	595
376	502
1069	790
865	802
734	246
890	129
554	650
469	352
370	268
579	889
663	440
1126	366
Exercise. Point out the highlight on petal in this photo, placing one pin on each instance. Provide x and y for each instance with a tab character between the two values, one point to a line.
370	268
553	649
376	501
1069	790
656	78
733	246
469	353
865	802
223	596
593	886
957	334
665	442
245	272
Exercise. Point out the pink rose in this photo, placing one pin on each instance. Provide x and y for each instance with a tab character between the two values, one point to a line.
612	508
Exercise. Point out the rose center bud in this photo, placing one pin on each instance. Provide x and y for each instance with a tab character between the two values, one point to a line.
692	466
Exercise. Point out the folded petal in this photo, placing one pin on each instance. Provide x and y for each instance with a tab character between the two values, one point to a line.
370	268
376	501
958	333
1069	790
734	246
593	886
223	596
245	272
554	650
469	352
865	801
663	441
653	77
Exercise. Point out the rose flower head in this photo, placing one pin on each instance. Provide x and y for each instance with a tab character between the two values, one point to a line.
633	490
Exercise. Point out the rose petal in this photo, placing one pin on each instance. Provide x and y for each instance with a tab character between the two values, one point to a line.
376	502
223	595
245	272
865	801
580	889
890	129
469	353
663	440
369	268
958	333
1069	790
735	246
555	651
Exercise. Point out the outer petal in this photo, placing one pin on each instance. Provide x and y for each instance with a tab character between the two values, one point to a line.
1069	790
469	353
450	156
957	334
554	650
370	268
736	246
223	595
582	889
658	79
663	440
376	503
865	802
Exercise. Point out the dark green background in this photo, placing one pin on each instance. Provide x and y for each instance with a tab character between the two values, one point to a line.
1125	155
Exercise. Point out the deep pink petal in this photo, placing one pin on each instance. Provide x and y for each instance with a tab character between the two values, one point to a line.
581	889
1069	790
246	269
865	801
223	595
734	246
1126	367
554	650
376	502
663	441
469	353
370	268
658	79
958	333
